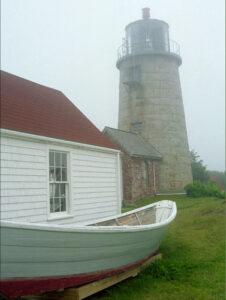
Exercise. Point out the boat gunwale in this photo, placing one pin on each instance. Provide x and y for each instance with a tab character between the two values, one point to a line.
97	229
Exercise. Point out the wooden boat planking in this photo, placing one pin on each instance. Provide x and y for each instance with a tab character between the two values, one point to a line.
142	217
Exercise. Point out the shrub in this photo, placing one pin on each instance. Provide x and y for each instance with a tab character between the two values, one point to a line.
198	189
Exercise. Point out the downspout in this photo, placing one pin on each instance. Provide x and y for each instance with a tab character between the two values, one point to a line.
153	168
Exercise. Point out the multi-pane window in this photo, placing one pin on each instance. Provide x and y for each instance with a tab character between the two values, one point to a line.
136	127
58	181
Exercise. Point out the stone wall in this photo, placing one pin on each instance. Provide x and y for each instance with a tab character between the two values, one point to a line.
155	100
133	187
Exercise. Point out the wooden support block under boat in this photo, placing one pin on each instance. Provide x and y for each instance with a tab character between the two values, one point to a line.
89	289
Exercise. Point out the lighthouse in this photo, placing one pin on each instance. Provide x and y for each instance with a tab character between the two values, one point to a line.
150	97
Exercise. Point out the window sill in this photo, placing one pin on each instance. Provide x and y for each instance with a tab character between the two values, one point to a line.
61	217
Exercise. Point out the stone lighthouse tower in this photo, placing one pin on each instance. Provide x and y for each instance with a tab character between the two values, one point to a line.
150	99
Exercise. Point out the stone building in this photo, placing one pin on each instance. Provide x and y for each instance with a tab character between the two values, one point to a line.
150	98
140	164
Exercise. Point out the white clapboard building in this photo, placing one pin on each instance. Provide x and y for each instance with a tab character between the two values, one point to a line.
55	164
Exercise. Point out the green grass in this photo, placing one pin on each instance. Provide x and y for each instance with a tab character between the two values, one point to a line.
193	264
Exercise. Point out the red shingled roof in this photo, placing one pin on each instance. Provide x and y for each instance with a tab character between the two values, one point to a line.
33	108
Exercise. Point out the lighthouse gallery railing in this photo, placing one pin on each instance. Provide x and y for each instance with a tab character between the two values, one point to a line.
147	47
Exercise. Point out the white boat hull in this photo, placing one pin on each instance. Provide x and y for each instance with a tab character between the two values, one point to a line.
44	251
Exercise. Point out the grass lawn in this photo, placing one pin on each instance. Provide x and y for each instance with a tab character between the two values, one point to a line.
193	264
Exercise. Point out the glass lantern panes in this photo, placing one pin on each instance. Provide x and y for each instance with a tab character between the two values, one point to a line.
58	185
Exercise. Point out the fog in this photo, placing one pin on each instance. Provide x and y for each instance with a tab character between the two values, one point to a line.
71	45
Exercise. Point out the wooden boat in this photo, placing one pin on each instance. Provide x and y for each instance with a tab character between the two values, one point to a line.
40	257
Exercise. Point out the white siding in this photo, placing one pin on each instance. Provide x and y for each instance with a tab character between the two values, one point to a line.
23	180
93	177
94	184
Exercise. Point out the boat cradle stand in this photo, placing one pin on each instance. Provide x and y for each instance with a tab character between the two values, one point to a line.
78	293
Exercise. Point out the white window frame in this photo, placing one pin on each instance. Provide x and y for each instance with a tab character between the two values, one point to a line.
66	213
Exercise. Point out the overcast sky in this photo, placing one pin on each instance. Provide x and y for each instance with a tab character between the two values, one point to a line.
71	45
